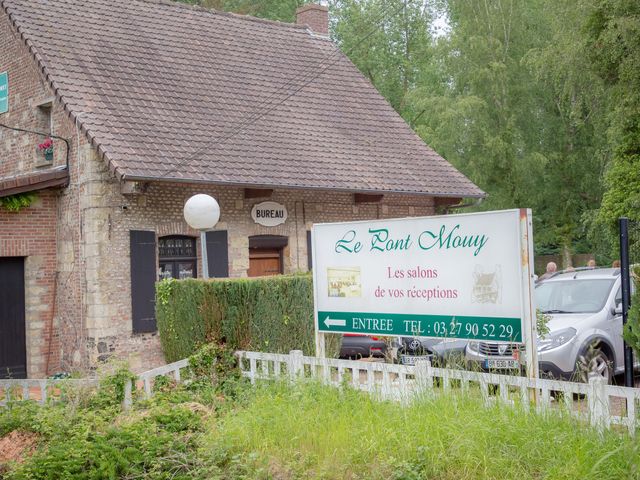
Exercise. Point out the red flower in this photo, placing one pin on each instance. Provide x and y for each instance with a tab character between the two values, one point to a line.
46	146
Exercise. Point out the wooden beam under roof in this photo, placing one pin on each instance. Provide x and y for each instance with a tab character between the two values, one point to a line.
367	198
257	192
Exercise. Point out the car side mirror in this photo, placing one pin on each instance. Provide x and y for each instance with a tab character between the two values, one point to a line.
618	309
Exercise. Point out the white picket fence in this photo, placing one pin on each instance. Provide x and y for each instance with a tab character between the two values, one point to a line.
39	390
600	404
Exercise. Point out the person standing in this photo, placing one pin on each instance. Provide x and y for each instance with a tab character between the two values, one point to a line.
551	269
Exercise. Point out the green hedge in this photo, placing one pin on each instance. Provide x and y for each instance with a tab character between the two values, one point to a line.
270	314
631	332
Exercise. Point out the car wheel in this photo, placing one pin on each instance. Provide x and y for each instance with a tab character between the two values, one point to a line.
594	362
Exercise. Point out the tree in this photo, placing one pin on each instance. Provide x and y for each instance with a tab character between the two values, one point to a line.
614	35
518	111
282	10
572	138
389	41
480	114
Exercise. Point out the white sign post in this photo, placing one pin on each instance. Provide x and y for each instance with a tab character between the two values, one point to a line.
456	276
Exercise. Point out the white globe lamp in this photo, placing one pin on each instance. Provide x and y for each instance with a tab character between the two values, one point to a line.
202	212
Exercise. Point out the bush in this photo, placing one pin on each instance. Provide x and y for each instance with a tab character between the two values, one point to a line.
159	445
273	314
158	439
631	331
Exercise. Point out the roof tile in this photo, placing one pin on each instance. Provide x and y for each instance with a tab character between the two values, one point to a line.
172	92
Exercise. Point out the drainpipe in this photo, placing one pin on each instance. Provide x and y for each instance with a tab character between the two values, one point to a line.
44	135
473	203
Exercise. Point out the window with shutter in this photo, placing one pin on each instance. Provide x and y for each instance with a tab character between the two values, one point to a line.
177	254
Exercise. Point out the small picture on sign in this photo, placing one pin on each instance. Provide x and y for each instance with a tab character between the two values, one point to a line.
487	285
344	282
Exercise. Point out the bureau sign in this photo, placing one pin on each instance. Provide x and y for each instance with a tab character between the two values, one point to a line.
269	214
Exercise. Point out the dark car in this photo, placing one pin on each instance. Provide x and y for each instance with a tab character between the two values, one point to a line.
439	351
356	346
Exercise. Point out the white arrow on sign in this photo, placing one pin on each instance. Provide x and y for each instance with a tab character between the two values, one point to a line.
335	322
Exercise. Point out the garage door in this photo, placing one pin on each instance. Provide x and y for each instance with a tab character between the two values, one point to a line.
13	351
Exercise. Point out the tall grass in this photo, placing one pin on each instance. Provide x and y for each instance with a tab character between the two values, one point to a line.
200	431
310	431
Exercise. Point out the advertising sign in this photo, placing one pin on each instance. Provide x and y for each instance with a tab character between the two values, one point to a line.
454	276
4	92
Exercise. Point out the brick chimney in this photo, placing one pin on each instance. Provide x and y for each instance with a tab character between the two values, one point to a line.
315	16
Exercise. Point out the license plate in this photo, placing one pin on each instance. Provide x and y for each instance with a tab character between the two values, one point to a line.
412	359
501	364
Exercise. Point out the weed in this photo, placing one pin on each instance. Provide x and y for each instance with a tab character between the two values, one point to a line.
306	430
329	433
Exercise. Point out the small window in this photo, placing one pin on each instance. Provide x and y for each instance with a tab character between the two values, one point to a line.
177	247
44	124
44	116
45	119
618	299
178	258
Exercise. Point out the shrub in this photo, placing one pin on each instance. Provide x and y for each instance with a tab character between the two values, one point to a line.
160	445
14	203
214	363
112	385
631	331
273	314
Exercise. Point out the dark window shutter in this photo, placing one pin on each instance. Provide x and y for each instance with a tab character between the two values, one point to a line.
143	279
218	254
309	251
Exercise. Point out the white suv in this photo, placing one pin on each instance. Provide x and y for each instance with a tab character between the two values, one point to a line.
585	326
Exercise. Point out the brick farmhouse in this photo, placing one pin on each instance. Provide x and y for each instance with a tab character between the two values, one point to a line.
149	102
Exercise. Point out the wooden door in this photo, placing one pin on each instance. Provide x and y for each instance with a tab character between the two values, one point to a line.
265	261
13	348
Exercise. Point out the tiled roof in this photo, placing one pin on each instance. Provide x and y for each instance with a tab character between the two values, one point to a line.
171	92
55	177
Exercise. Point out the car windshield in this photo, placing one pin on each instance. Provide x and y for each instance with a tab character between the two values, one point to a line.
573	296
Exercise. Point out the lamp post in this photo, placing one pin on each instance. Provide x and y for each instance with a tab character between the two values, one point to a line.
202	212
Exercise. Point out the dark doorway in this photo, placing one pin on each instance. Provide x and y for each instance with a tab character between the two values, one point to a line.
13	345
178	258
265	255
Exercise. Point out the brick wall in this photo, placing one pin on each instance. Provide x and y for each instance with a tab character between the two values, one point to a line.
32	234
27	89
160	209
46	233
315	16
